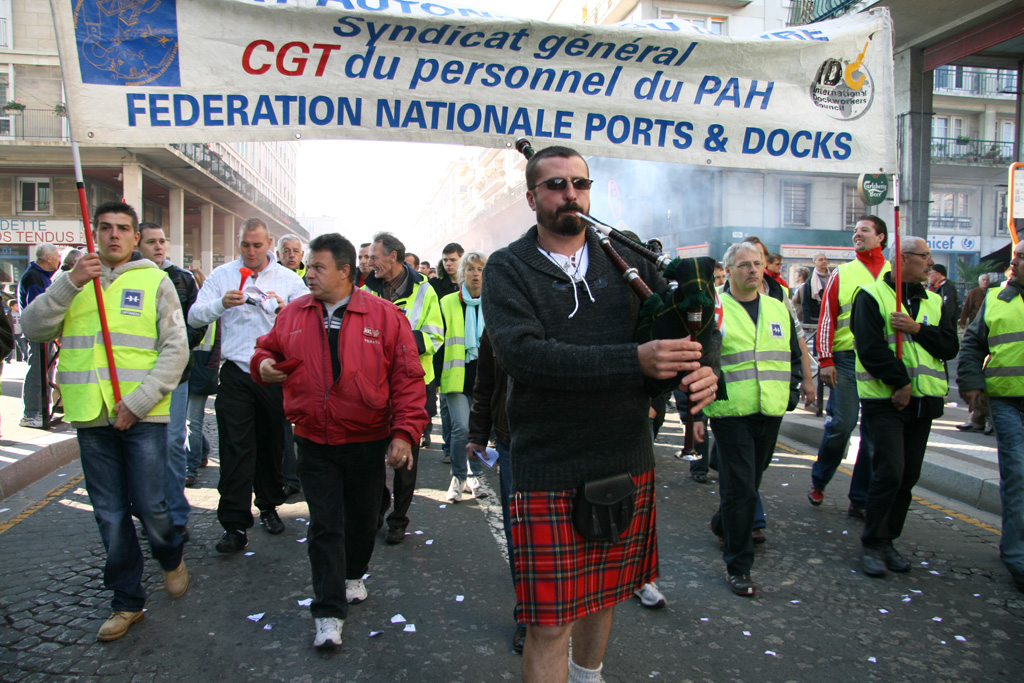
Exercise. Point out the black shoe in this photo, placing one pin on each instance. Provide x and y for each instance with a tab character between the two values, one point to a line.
183	532
425	441
232	542
856	512
519	638
895	562
190	481
270	521
1018	581
742	585
759	537
446	458
971	427
990	430
394	536
699	477
205	461
874	561
290	490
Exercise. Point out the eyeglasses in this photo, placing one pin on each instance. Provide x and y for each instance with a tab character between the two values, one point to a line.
559	184
914	253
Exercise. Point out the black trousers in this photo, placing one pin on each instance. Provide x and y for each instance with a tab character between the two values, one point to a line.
341	484
900	438
405	486
745	446
250	421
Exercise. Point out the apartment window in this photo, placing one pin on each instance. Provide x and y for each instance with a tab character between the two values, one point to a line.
1002	209
853	206
950	211
715	25
796	204
34	195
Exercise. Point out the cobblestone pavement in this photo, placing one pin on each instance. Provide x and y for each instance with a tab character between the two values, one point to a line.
955	617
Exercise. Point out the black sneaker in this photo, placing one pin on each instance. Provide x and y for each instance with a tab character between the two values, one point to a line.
874	561
394	536
895	562
856	512
699	477
232	542
519	638
742	585
270	521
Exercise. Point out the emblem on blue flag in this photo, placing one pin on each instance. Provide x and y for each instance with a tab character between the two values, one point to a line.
132	298
127	42
776	331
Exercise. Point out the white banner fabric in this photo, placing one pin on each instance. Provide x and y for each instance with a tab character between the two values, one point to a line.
811	98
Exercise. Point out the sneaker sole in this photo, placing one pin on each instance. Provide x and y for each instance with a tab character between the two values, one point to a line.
327	645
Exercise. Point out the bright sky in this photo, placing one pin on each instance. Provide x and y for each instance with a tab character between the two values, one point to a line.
374	185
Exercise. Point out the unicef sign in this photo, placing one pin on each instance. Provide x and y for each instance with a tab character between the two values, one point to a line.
955	243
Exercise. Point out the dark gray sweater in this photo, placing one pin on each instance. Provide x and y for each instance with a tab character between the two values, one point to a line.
577	409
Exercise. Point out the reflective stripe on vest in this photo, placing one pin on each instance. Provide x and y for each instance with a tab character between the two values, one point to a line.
453	370
755	362
82	373
852	276
206	344
1004	372
927	373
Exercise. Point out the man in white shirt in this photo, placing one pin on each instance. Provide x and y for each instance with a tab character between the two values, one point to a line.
250	417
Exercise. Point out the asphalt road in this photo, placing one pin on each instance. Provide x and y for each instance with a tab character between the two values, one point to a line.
954	617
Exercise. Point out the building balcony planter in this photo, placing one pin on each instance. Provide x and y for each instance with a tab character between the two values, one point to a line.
13	107
60	110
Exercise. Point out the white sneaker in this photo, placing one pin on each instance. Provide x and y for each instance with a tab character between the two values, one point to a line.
328	632
473	486
455	490
650	596
35	422
355	591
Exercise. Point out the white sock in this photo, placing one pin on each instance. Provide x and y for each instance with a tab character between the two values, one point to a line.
579	674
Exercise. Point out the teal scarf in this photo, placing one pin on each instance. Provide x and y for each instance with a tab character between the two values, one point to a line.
474	324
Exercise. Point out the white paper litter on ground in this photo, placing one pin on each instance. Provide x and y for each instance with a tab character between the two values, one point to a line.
418	532
442	506
250	554
300	519
364	577
746	633
301	540
795	602
977	595
255	617
305	603
703	618
375	633
268	627
961	639
62	475
410	628
3	510
845	532
936	618
872	660
914	591
934	572
398	619
769	652
460	598
785	484
884	611
906	598
430	542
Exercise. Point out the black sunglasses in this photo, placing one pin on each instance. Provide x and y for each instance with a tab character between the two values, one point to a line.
559	184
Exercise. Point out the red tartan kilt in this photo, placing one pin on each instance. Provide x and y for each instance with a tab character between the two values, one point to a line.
561	576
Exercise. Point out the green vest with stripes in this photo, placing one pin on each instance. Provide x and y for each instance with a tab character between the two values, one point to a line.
927	373
424	316
206	343
1004	372
756	362
82	373
852	276
453	371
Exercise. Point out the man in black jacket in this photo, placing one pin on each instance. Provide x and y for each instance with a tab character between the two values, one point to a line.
153	245
938	283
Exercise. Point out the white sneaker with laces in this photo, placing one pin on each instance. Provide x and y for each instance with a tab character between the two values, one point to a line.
35	422
650	596
328	632
473	486
355	591
454	494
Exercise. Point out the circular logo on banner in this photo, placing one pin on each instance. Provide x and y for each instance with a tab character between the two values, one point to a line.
844	89
873	188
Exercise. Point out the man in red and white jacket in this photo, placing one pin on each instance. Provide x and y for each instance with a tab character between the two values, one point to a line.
837	359
353	388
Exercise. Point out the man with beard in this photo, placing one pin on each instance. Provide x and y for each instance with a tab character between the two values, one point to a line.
563	325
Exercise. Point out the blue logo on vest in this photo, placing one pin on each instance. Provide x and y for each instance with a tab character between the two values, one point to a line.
131	302
776	331
127	42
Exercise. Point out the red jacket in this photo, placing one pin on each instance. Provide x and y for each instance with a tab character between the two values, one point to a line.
380	391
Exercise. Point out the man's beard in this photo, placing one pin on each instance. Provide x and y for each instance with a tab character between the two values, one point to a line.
566	223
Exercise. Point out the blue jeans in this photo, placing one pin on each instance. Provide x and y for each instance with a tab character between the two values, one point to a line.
177	460
842	411
1006	417
32	389
125	473
458	411
446	424
197	444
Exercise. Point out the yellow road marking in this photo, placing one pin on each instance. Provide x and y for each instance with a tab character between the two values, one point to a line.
39	505
938	508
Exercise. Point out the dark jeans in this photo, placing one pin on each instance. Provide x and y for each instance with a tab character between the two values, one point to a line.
405	486
250	420
342	486
289	461
745	447
900	438
125	473
840	421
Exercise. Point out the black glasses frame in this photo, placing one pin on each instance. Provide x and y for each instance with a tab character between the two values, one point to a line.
559	184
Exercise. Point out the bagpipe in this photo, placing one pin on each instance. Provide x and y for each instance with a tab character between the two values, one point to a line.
687	309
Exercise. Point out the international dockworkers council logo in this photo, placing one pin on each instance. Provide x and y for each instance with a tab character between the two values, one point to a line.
843	89
127	42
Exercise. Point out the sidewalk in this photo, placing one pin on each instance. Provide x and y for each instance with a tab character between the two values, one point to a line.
27	455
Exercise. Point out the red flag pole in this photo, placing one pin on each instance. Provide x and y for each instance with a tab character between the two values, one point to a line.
897	266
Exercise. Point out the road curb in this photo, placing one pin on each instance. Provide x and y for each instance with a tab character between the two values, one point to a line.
33	467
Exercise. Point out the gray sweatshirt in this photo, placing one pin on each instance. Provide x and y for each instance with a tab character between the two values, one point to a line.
43	321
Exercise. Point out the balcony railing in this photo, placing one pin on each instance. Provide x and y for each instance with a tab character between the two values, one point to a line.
803	12
975	82
950	224
33	124
967	151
